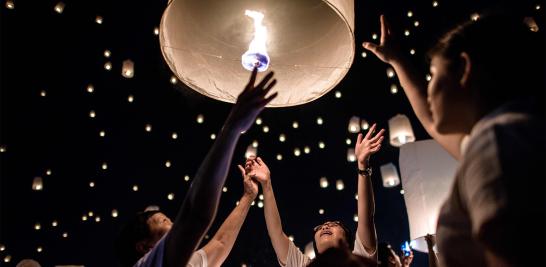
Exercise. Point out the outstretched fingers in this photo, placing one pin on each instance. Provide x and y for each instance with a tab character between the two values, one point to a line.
243	172
370	131
359	138
252	79
384	29
265	80
377	136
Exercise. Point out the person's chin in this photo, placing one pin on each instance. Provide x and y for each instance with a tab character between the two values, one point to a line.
442	127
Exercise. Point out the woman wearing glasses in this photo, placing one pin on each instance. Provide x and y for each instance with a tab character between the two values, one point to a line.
329	234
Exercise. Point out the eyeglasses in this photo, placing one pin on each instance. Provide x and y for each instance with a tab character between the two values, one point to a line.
329	224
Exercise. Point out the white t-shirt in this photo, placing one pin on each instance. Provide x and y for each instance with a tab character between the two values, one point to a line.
296	258
154	258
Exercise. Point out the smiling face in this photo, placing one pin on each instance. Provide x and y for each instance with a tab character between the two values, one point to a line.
159	225
329	234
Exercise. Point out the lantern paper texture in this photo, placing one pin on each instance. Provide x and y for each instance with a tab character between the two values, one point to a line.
310	44
389	174
400	131
427	176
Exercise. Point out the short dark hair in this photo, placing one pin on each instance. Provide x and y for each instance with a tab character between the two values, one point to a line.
134	231
509	55
341	258
349	236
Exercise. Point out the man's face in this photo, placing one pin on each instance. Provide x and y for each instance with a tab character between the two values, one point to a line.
446	97
329	234
159	225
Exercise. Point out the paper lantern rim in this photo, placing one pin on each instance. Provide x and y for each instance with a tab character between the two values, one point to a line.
344	70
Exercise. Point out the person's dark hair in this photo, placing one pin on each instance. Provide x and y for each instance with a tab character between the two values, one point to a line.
508	54
134	231
340	257
383	253
349	236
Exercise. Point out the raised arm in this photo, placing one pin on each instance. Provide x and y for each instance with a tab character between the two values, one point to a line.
414	86
279	240
366	146
432	259
199	207
218	248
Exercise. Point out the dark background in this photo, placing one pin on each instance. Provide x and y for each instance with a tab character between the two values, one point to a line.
61	54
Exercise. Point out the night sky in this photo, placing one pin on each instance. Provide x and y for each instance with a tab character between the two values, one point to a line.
94	136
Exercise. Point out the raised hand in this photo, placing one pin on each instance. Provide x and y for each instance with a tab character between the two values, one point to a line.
368	145
407	260
258	170
251	102
387	50
249	184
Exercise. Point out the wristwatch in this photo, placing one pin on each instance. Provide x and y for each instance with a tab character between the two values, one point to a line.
366	172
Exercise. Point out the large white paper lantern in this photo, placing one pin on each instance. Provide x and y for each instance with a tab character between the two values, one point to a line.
310	45
400	131
427	176
389	175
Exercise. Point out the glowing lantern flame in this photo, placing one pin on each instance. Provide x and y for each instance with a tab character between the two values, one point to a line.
257	53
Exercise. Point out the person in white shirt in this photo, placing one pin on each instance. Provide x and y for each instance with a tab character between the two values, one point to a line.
153	240
485	105
329	234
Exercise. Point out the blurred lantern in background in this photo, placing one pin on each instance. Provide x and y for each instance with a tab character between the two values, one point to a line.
428	172
37	184
389	174
128	69
354	124
400	131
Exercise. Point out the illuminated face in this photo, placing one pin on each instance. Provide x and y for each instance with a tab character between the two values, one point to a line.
329	234
446	98
159	225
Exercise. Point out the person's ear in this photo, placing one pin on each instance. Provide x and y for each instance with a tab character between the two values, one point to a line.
466	70
142	247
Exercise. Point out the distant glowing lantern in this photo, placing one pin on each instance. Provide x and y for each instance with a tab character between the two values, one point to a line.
251	152
531	23
323	182
351	157
400	130
364	125
428	172
309	251
10	4
37	184
389	174
128	69
59	7
354	124
211	45
340	185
